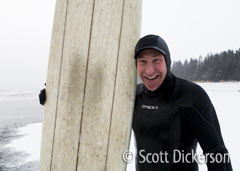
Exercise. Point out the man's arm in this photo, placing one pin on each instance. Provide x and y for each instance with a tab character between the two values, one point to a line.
207	131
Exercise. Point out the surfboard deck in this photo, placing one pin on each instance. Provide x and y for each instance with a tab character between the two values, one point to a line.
91	85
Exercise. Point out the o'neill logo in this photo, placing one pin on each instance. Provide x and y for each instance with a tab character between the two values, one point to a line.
149	107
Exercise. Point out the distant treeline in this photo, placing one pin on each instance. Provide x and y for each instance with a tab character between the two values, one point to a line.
224	66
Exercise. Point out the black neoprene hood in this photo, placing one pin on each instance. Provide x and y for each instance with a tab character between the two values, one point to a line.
154	42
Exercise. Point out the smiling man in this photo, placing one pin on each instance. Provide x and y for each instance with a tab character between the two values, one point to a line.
172	115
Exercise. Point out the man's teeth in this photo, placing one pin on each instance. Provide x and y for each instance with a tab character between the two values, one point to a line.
150	78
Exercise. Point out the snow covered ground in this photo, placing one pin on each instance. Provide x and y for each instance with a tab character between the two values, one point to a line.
18	109
225	97
29	142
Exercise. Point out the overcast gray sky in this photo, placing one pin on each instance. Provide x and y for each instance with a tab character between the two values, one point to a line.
190	27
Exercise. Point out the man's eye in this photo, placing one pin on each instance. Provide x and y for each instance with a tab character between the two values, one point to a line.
157	60
142	62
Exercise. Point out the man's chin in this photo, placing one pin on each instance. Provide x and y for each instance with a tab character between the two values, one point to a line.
151	87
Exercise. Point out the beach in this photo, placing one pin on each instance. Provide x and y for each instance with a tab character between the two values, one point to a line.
18	109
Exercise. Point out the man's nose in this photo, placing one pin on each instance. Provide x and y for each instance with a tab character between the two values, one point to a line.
149	69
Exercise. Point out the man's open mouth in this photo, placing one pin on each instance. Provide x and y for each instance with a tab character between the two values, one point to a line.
152	78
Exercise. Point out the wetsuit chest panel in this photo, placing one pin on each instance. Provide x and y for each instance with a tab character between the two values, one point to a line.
157	129
154	121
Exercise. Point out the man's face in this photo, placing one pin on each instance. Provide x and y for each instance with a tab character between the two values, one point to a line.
151	67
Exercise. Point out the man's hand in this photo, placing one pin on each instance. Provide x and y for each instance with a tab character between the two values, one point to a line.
42	96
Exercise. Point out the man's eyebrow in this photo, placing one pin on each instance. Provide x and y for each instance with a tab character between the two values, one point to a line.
156	54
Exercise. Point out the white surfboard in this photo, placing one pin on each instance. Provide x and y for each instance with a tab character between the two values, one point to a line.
91	85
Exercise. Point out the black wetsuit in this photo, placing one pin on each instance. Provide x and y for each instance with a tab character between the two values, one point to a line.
174	118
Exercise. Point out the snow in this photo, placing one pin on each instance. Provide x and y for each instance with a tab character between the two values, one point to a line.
224	96
29	142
